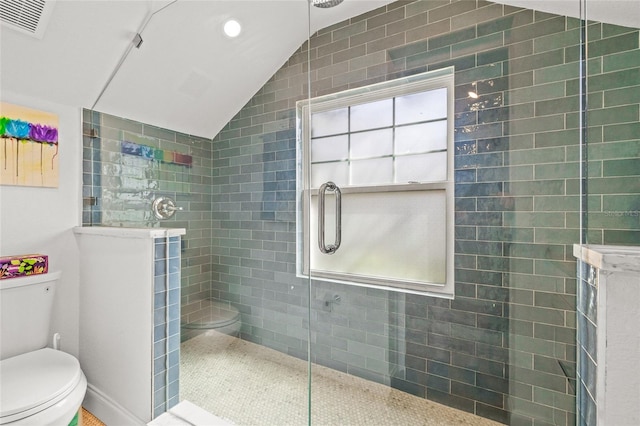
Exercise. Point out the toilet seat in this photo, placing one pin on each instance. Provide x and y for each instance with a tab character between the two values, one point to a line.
35	381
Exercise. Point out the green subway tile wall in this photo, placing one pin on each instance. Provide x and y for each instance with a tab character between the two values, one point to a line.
126	185
499	347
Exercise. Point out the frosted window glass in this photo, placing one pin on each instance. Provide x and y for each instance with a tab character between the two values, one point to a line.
408	243
419	138
372	115
376	143
372	172
330	149
330	122
337	172
393	235
422	106
421	168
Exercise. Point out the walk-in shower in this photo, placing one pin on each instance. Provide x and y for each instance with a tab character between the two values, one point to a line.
502	345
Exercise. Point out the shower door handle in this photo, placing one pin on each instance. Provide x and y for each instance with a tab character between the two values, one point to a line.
331	248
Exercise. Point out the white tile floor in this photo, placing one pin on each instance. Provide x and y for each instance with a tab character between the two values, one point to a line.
249	384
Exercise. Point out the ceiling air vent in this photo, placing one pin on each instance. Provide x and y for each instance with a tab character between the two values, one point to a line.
27	16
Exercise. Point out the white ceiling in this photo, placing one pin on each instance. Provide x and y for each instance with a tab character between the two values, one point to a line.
187	75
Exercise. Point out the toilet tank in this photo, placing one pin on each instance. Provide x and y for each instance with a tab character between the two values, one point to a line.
25	313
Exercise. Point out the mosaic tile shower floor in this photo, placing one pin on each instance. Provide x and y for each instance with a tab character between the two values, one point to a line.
249	384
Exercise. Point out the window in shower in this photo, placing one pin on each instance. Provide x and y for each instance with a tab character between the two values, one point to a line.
388	148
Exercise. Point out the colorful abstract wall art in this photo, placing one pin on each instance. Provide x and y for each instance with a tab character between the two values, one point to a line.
151	153
28	147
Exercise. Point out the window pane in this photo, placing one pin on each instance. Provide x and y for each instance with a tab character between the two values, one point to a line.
409	242
421	168
376	143
419	138
330	149
422	106
337	172
372	115
371	172
392	141
330	122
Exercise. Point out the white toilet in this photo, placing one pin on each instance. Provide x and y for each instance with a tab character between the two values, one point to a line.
38	385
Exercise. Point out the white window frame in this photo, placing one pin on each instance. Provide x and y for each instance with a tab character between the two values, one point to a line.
432	80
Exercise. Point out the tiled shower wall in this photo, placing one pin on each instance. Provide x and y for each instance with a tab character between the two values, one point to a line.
124	186
505	347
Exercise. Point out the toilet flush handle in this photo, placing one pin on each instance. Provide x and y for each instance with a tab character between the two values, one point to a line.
56	341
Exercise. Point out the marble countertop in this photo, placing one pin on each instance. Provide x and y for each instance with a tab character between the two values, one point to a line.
122	232
613	258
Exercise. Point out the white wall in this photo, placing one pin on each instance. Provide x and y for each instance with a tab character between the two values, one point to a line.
40	220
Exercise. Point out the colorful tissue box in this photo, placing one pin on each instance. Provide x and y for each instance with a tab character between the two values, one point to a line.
22	265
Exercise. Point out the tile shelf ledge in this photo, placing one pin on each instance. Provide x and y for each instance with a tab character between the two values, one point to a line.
122	232
609	258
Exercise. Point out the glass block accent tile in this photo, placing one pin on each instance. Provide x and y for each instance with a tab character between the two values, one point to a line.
166	333
587	342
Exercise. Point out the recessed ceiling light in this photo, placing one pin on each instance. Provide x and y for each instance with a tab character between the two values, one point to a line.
232	28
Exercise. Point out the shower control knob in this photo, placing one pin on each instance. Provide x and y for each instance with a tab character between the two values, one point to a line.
164	207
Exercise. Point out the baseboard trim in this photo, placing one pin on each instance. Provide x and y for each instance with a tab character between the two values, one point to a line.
108	410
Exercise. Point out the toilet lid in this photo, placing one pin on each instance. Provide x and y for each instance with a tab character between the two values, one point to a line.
36	378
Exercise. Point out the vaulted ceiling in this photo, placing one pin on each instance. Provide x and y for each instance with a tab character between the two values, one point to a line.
187	75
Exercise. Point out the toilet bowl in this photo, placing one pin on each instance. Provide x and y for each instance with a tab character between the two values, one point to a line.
39	385
43	387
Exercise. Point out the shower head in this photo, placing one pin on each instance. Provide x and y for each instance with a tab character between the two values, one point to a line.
325	3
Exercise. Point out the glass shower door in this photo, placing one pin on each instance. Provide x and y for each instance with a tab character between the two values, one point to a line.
376	172
245	360
501	345
610	194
